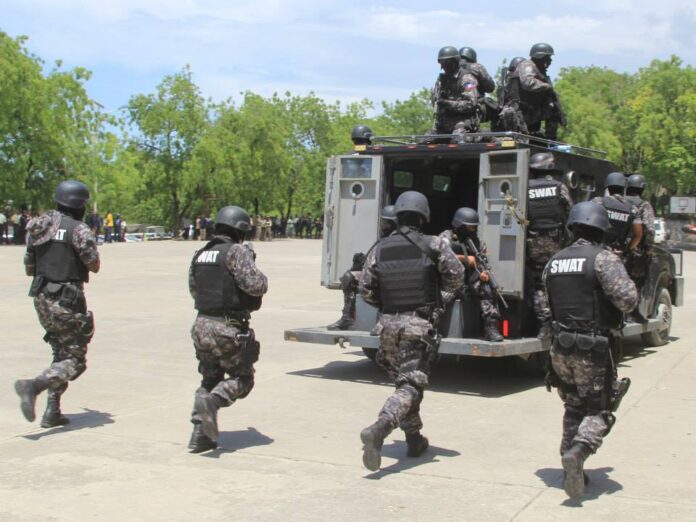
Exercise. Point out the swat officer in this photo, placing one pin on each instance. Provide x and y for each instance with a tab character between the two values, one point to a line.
226	287
454	97
639	257
548	204
349	280
622	215
589	290
503	84
465	226
531	98
60	254
469	64
403	276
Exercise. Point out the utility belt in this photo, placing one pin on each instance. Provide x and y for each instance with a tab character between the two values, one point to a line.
236	318
69	294
246	338
568	340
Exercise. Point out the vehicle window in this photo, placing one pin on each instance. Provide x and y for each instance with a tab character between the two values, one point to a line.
503	164
403	179
356	167
442	183
658	224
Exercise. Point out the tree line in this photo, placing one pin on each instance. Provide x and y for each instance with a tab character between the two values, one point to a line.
173	153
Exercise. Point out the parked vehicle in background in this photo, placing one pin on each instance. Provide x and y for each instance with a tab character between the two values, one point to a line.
660	230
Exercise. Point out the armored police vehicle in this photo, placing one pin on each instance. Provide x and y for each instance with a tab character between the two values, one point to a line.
489	173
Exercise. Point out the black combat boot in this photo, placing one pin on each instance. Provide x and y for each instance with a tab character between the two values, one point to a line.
574	477
207	407
200	442
28	389
545	330
344	323
52	416
491	332
417	444
372	438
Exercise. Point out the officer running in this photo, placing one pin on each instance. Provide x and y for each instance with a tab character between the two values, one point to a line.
61	252
226	286
548	204
349	280
588	290
622	216
403	276
638	261
465	226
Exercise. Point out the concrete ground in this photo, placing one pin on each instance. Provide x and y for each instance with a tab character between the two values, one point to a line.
291	451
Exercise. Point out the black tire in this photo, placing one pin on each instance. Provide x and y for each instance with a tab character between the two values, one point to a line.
370	353
663	308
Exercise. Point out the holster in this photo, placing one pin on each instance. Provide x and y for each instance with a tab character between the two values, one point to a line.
431	340
250	347
619	388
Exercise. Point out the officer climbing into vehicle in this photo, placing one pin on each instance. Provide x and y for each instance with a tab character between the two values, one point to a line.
548	204
403	276
477	279
349	280
589	290
638	260
454	97
61	252
226	286
531	99
622	216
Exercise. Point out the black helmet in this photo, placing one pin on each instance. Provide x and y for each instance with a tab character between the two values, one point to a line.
412	201
515	62
636	181
468	54
542	161
540	50
388	213
234	217
361	135
615	179
72	194
590	215
447	53
465	216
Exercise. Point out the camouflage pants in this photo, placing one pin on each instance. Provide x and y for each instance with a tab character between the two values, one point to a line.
227	371
349	285
68	330
583	375
401	353
457	125
512	120
539	250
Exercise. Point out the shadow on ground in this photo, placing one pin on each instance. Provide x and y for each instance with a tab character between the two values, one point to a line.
600	483
78	421
231	441
397	450
484	377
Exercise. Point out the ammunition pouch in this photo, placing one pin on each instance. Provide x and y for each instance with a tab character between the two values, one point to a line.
589	342
36	285
86	327
250	347
69	296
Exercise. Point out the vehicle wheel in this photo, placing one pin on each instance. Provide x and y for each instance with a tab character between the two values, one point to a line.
370	353
663	310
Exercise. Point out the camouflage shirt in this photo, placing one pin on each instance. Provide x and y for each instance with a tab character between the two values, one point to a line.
645	215
613	278
43	228
450	269
532	79
241	264
455	93
485	82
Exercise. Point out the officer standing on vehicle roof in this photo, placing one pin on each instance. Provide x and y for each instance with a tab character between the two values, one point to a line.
639	257
454	97
61	252
403	276
622	215
588	290
503	85
226	286
349	280
531	98
470	65
548	204
465	225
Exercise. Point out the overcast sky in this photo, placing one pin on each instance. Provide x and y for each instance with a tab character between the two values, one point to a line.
379	49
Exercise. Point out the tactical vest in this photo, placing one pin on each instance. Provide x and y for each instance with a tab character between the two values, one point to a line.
544	204
217	293
620	222
514	93
575	294
57	260
408	278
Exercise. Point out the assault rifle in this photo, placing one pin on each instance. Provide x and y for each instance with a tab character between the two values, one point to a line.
557	112
482	261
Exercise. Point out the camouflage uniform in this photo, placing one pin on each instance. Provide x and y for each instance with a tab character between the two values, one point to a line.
215	338
541	245
402	349
583	374
69	326
524	117
634	211
455	98
484	80
638	260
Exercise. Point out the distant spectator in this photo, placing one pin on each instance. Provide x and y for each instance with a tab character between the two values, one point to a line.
290	227
108	227
309	224
318	228
3	228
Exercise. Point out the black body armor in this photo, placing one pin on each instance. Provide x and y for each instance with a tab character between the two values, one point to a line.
575	294
408	277
56	260
544	204
620	222
217	293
